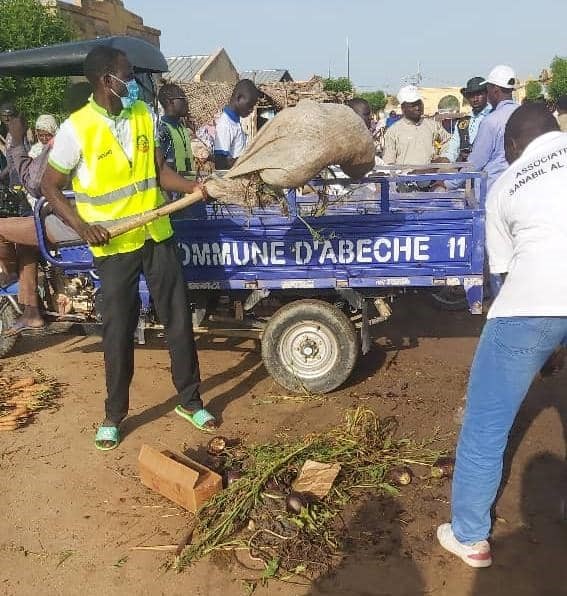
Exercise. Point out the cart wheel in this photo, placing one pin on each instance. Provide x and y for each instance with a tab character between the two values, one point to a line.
310	345
8	316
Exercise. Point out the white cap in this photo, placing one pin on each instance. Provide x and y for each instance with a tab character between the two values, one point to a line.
408	94
502	76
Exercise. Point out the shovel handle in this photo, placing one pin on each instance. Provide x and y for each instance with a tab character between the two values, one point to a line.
121	227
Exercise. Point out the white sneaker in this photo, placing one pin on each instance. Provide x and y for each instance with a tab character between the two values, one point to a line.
474	555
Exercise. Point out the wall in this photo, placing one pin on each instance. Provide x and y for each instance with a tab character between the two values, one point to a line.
101	18
218	69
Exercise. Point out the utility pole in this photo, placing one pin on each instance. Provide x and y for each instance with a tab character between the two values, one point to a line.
348	58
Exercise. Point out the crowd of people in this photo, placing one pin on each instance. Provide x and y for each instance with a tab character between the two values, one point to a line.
118	157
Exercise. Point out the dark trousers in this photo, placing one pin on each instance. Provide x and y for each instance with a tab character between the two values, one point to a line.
119	275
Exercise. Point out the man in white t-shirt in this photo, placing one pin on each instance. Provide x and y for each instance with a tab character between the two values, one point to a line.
527	240
230	139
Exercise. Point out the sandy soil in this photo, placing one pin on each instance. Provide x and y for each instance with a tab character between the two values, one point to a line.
71	515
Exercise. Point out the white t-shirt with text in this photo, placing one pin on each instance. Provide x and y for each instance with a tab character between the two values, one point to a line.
526	227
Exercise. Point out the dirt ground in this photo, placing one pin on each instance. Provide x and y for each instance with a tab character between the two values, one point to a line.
71	515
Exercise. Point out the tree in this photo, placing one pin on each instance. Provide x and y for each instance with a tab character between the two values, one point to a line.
376	99
340	85
28	24
558	85
534	91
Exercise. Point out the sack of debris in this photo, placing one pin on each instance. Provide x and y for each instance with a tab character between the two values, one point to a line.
295	146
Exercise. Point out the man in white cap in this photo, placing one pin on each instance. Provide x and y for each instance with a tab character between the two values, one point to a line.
487	154
412	139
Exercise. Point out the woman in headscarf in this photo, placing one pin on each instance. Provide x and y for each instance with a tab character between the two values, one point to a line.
45	130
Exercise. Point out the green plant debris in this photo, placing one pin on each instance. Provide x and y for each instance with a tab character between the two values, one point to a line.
63	556
121	562
252	511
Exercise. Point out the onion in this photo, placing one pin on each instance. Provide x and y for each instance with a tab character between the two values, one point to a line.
443	468
295	502
400	476
216	446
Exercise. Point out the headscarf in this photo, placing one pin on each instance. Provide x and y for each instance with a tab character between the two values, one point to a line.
47	123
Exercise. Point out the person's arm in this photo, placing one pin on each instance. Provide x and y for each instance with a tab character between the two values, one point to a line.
63	159
165	143
499	243
483	148
29	170
390	152
223	146
171	181
52	185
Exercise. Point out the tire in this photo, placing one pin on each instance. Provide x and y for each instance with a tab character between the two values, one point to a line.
450	299
310	345
8	316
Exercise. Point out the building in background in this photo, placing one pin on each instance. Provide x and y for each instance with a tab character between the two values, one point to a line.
211	68
267	76
102	18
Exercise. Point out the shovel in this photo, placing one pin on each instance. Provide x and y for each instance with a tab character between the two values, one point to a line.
121	227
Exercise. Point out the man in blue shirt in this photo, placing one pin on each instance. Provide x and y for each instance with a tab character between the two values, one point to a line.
487	154
460	145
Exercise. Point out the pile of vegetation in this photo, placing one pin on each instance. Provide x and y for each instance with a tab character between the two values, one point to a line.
296	533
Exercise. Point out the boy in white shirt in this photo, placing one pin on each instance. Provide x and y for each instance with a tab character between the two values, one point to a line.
230	139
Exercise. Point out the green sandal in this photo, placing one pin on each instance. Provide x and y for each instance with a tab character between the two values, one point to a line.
109	434
198	419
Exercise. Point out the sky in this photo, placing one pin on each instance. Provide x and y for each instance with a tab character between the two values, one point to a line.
448	41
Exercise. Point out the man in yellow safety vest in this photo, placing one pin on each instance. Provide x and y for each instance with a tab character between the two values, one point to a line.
109	149
174	138
175	141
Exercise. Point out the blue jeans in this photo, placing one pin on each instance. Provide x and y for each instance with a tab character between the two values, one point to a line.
510	353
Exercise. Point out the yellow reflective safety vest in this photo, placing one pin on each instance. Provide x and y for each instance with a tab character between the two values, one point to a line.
118	188
182	149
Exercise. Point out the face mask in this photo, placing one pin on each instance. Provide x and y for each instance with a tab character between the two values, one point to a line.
133	92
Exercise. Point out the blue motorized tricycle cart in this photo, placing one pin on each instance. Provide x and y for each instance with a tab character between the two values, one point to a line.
308	280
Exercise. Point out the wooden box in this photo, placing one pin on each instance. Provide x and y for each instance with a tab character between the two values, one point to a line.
177	477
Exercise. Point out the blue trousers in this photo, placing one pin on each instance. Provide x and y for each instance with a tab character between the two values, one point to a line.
510	353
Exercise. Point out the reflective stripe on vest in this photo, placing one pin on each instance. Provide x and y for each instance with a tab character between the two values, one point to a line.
181	148
110	187
116	195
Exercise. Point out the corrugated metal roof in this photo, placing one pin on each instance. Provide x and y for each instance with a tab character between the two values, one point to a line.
262	77
183	69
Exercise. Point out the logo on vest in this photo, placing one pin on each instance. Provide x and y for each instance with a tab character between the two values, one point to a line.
464	124
142	144
105	154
